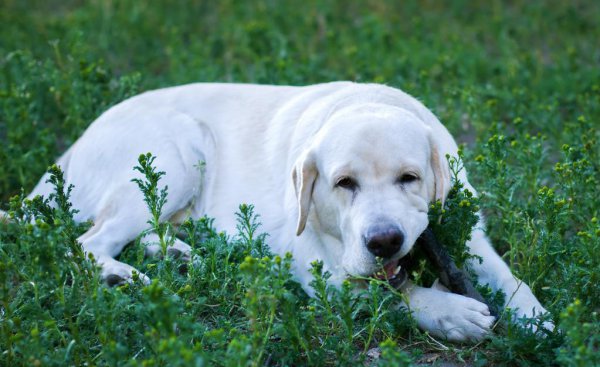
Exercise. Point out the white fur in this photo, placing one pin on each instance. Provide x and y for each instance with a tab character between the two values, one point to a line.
282	149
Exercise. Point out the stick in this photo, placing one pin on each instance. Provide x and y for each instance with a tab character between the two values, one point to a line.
451	276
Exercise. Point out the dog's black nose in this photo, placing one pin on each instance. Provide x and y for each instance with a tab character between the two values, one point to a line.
384	240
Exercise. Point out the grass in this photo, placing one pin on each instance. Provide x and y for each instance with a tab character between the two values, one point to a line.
517	82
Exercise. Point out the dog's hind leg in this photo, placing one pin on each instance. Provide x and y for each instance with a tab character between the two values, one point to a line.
115	226
124	216
100	167
178	249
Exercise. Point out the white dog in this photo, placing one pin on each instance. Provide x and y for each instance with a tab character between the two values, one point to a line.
340	172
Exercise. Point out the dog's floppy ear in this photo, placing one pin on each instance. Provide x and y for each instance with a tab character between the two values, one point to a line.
304	176
441	171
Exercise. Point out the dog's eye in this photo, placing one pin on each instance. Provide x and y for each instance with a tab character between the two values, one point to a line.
407	178
347	183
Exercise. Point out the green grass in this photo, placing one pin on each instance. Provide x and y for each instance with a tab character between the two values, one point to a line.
517	82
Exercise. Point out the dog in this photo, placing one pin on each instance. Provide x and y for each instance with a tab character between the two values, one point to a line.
340	172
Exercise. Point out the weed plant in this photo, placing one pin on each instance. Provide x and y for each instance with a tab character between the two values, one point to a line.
517	82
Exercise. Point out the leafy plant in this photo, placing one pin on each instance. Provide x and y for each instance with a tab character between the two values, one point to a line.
155	200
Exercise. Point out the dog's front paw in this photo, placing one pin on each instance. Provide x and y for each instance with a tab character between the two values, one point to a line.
450	316
527	307
526	319
115	272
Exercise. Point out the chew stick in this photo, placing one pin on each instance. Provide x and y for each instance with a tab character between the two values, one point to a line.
451	276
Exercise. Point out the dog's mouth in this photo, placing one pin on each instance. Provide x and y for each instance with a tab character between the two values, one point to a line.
392	272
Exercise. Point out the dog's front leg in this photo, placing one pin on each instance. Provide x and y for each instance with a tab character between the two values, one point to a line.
448	315
492	270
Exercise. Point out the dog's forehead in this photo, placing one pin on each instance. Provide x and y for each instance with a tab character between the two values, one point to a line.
380	141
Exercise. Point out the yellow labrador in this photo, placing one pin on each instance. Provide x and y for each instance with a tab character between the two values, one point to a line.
340	172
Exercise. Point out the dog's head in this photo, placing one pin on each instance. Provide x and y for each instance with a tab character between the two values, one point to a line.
367	179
